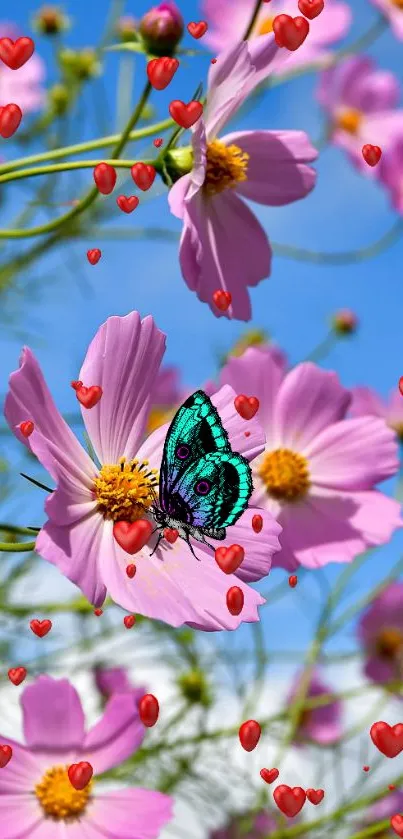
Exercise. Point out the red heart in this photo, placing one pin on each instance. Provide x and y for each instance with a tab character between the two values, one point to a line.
10	118
80	774
315	796
132	536
131	570
387	738
290	800
171	534
143	175
371	154
17	675
222	299
26	428
269	775
366	768
94	256
396	824
229	559
127	203
158	142
105	178
257	522
197	30
290	32
184	114
249	735
129	621
98	612
235	600
391	786
311	8
76	384
401	385
160	71
16	53
89	396
6	754
247	406
149	710
41	628
293	580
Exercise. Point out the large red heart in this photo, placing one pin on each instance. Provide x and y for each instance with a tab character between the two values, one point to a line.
127	203
396	824
17	675
229	559
80	774
160	71
6	754
105	178
247	406
185	114
10	118
387	738
89	396
311	8
41	628
290	32
132	536
143	175
315	796
290	800
371	154
197	30
16	53
249	735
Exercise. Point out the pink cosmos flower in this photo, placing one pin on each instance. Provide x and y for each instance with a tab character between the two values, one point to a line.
318	471
235	829
365	402
228	22
380	632
111	680
391	172
393	10
323	724
21	87
268	167
361	102
171	585
37	799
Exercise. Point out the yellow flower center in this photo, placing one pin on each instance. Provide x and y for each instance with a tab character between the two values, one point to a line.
349	120
57	796
124	490
285	475
389	643
398	428
397	3
265	26
157	417
226	166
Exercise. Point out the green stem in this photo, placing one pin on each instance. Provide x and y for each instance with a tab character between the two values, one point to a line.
321	351
372	830
63	167
13	528
343	257
17	547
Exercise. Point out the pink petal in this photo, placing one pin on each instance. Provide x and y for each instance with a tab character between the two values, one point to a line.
19	815
257	372
116	736
227	81
394	14
357	83
365	402
227	22
250	446
167	391
123	359
23	771
379	670
131	813
53	715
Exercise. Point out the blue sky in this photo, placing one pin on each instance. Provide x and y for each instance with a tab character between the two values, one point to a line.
68	299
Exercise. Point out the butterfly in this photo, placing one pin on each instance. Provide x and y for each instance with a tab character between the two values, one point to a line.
204	487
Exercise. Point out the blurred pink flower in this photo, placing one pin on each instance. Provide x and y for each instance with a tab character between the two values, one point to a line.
385	809
318	472
380	632
391	172
228	22
393	10
35	790
268	167
21	87
365	402
123	359
111	680
361	102
322	725
235	829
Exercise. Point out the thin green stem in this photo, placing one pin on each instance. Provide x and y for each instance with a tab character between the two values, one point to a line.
65	167
13	528
343	257
17	547
321	351
372	830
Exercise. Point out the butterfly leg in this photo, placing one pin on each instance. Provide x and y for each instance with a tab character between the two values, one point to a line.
157	542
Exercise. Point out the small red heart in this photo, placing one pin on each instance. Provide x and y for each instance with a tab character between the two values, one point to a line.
94	255
366	768
371	154
290	32
249	735
257	522
269	775
41	628
127	203
222	299
293	580
6	754
171	534
387	738
80	774
10	118
76	384
391	786
247	433
98	612
247	406
160	71
229	559
132	536
16	53
311	8
290	800
214	61
143	175
89	396
129	621
396	824
184	114
235	600
17	675
105	178
149	710
131	570
315	796
26	428
158	142
197	30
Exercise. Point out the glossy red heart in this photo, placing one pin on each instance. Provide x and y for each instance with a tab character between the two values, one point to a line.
80	774
197	30
105	178
149	710
366	768
158	142
247	406
387	738
315	796
98	612
222	299
257	522
16	53
171	534
235	600
89	396
76	384
160	71
10	118
371	154
132	536
143	175
229	559
290	32
293	580
41	628
26	428
249	735
396	824
6	754
131	570
269	775
290	800
129	621
184	114
94	255
127	203
311	8
17	675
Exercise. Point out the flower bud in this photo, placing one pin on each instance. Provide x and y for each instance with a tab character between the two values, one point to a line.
126	28
58	97
80	64
162	28
50	20
345	322
194	688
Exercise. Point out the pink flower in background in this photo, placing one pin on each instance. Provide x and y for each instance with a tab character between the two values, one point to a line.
318	471
322	725
21	87
365	402
268	167
391	173
380	632
237	828
393	10
36	796
168	394
228	22
123	359
111	680
361	103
